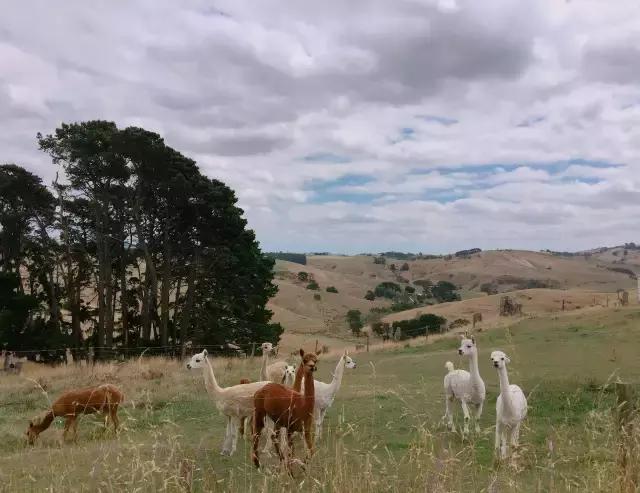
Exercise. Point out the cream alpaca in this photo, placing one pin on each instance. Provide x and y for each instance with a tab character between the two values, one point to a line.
466	386
325	393
511	407
278	372
235	402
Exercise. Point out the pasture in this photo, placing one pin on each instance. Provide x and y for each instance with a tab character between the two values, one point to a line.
383	432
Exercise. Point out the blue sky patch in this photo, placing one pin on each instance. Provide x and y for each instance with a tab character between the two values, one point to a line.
442	120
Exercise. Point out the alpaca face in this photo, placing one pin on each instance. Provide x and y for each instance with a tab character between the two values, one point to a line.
309	361
467	347
197	360
266	347
349	363
499	359
32	432
289	374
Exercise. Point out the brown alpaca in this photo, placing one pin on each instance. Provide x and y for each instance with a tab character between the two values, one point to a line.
104	398
287	408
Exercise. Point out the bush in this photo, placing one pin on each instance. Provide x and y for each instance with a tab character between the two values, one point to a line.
419	326
409	289
445	291
379	260
392	267
489	288
405	266
370	296
317	297
313	285
387	290
381	328
459	322
303	276
331	289
354	319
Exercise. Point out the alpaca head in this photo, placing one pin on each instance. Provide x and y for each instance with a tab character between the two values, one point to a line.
348	361
34	429
499	359
289	375
267	348
467	346
309	361
197	360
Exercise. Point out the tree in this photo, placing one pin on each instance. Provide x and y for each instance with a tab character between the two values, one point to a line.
409	289
387	290
354	319
445	291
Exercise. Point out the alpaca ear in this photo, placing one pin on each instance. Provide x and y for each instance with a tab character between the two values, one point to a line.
301	352
30	424
318	352
204	353
506	359
473	339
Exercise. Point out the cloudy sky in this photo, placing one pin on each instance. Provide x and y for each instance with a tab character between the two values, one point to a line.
360	125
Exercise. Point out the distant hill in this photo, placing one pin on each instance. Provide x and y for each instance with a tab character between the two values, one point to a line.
602	270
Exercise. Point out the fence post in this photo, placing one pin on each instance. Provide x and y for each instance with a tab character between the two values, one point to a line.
367	342
626	454
316	346
253	349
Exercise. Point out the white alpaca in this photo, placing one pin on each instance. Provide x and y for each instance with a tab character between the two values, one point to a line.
235	402
325	393
275	372
511	407
466	386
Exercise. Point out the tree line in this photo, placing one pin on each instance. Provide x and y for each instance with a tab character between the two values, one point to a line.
130	246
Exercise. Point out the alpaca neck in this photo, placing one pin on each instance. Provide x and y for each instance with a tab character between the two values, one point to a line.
474	371
297	383
507	403
263	369
334	386
45	422
309	390
210	381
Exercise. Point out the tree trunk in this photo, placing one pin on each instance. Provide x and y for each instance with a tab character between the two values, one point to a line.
185	319
176	304
108	298
151	278
124	307
164	294
100	342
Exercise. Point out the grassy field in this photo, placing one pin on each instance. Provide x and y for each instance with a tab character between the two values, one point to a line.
382	434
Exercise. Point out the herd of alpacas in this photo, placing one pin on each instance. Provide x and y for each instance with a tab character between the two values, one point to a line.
287	400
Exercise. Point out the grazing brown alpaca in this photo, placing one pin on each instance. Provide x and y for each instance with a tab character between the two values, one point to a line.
104	398
287	408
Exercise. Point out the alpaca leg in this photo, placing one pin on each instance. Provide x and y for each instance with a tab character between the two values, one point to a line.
226	445
258	425
242	420
275	438
319	420
68	424
448	412
515	436
75	429
235	424
467	417
503	443
497	442
308	438
114	419
477	416
270	432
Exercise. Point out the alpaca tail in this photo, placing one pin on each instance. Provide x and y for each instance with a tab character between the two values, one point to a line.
449	366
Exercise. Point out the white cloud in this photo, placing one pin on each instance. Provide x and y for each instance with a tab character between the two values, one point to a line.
250	88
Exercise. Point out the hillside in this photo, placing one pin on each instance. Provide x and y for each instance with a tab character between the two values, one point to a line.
575	278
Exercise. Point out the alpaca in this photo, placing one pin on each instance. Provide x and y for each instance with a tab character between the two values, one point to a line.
104	398
235	402
288	409
466	386
511	407
325	393
274	372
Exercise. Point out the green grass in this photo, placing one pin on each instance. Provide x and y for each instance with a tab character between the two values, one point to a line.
383	432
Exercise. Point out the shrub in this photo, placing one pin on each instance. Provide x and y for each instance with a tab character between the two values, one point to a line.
409	289
459	322
405	266
331	289
445	291
303	276
317	297
313	285
381	328
489	288
392	267
419	326
370	296
379	260
387	290
354	319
